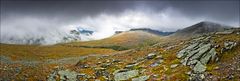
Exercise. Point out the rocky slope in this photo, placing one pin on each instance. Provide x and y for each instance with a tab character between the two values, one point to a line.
192	60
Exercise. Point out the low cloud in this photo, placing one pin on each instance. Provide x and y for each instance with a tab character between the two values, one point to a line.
53	29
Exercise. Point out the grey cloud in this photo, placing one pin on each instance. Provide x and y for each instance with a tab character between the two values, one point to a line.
28	17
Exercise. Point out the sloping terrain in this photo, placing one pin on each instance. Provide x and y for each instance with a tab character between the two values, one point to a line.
121	41
205	61
161	33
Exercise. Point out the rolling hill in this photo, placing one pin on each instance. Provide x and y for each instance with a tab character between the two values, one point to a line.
121	41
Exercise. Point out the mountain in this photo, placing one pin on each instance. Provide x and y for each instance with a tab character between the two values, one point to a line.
203	27
152	31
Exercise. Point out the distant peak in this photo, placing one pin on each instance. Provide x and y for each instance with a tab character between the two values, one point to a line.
206	22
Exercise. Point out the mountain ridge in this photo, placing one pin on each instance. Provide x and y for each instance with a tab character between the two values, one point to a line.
203	27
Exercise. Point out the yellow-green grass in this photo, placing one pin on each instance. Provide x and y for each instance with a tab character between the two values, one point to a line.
36	52
130	39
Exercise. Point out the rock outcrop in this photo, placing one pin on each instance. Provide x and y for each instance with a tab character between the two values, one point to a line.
197	55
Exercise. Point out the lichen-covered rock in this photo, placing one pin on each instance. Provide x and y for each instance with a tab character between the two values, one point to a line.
202	50
192	62
141	78
183	52
199	68
125	75
210	55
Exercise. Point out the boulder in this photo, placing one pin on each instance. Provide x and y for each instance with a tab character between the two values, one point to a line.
185	51
125	75
173	66
202	50
141	78
210	55
229	45
192	62
199	68
181	53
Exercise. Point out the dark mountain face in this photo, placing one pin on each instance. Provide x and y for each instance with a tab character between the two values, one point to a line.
152	31
202	28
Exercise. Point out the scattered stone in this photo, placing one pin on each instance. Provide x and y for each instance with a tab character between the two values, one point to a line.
82	77
97	80
229	45
225	32
151	56
230	77
125	75
157	63
116	61
188	73
238	69
238	33
106	65
67	75
173	66
141	78
197	77
101	72
216	68
131	65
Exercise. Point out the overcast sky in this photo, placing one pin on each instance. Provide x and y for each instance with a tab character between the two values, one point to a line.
33	17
